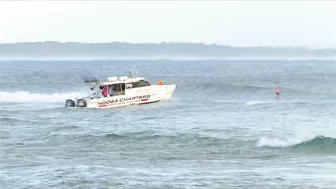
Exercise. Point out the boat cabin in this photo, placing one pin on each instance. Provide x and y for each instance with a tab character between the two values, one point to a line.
116	86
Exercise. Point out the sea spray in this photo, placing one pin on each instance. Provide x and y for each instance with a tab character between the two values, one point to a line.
23	96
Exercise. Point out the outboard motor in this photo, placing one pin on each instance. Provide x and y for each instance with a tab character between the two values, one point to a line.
69	103
81	103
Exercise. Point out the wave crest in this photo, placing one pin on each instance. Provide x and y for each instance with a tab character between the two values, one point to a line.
319	142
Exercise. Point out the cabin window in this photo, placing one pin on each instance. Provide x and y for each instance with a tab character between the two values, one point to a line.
117	89
132	85
137	84
144	83
129	85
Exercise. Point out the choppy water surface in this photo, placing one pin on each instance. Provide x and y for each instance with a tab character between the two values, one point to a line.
223	128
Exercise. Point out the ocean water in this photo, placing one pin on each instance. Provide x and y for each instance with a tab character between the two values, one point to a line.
223	127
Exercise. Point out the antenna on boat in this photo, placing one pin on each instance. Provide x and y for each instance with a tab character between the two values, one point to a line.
88	76
90	79
132	74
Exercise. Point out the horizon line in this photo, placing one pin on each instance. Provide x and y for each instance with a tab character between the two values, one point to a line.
167	43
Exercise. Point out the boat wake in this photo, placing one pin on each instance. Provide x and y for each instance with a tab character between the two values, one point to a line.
27	97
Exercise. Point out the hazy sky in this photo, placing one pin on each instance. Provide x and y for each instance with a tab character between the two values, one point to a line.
241	23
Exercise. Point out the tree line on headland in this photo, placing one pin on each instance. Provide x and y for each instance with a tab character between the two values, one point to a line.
51	48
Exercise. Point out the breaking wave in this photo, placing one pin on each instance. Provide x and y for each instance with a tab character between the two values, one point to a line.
317	142
276	142
23	96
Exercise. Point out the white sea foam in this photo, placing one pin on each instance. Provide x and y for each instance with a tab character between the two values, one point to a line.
23	96
256	102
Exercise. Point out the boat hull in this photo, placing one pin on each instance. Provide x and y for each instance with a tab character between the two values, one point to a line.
136	97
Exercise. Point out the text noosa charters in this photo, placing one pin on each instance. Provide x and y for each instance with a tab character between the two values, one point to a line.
123	99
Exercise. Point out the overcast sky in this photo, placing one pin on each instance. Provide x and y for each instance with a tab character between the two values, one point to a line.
241	23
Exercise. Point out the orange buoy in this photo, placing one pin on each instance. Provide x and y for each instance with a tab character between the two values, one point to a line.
160	82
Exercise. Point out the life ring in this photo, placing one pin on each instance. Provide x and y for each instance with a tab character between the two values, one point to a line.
160	82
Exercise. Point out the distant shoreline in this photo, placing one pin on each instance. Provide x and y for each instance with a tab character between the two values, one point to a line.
167	58
54	50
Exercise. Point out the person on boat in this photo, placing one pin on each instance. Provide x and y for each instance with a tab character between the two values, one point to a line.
160	82
92	91
105	91
118	90
277	90
114	91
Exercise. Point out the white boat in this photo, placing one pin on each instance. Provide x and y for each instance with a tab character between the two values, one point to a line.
123	91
